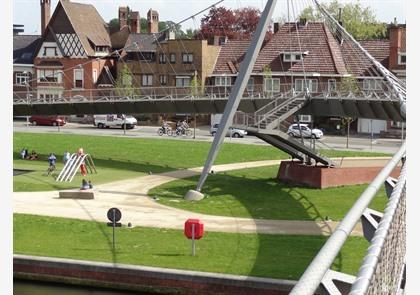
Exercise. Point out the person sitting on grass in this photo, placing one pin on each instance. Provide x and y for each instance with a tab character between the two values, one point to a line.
85	185
90	184
33	155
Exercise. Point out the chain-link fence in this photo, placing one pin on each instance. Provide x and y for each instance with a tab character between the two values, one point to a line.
382	269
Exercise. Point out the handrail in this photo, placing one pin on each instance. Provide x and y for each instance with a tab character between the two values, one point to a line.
370	262
312	277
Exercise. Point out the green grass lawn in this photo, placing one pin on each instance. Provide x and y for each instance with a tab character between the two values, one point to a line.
119	158
255	193
274	256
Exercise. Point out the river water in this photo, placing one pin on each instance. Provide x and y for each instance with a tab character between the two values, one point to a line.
23	287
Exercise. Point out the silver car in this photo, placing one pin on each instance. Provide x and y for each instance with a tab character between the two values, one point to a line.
233	132
306	131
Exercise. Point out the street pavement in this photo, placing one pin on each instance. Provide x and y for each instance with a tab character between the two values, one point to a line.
202	133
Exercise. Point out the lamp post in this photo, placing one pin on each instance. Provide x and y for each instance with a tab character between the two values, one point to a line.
27	98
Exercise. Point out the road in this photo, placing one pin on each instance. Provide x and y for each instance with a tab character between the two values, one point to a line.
359	143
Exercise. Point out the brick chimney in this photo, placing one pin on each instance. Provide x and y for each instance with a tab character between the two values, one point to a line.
135	24
45	14
123	16
152	21
396	35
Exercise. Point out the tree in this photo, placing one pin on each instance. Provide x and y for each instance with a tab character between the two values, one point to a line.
359	21
124	82
114	25
235	24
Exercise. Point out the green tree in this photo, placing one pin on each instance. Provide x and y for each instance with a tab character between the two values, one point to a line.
124	83
197	87
114	25
359	21
348	84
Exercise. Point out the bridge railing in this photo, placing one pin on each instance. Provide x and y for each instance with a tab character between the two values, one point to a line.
356	90
382	269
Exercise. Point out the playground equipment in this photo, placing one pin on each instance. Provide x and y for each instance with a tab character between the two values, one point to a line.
76	161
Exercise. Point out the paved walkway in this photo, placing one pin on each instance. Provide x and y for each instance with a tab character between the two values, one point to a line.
130	196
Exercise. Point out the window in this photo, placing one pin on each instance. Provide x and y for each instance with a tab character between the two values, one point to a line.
163	79
223	81
162	58
78	78
292	57
332	85
172	58
372	84
305	118
95	75
147	80
187	58
183	81
250	85
50	51
22	78
45	75
402	58
101	49
312	85
272	85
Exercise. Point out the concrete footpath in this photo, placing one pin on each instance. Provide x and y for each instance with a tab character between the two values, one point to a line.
130	196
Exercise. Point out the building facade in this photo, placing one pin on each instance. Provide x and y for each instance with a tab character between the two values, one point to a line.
73	52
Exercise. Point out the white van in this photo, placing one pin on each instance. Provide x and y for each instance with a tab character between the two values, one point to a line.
106	121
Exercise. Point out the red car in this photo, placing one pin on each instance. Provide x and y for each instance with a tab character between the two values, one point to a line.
47	120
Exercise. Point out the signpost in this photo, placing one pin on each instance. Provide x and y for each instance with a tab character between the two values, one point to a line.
114	215
194	230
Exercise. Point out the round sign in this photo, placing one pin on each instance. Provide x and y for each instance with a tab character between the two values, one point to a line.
114	213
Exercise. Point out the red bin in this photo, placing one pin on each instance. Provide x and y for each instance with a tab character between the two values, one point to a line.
198	229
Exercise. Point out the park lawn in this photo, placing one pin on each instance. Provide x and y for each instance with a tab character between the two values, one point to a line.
261	255
255	193
119	158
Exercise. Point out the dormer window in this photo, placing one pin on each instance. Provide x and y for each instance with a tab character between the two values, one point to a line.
293	56
101	49
50	51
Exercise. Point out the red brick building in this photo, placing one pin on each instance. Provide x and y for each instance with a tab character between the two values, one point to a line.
311	50
72	54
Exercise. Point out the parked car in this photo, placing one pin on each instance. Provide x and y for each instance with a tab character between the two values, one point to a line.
233	132
306	131
113	120
47	120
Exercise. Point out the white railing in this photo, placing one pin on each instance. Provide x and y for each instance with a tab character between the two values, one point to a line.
312	277
341	91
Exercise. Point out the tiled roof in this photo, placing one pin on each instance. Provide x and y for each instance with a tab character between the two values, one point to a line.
145	42
358	64
323	53
88	25
310	38
24	47
231	53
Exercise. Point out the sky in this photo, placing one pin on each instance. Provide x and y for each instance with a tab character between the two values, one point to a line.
27	12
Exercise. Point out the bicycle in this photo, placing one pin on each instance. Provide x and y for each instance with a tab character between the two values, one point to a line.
50	170
164	130
183	131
